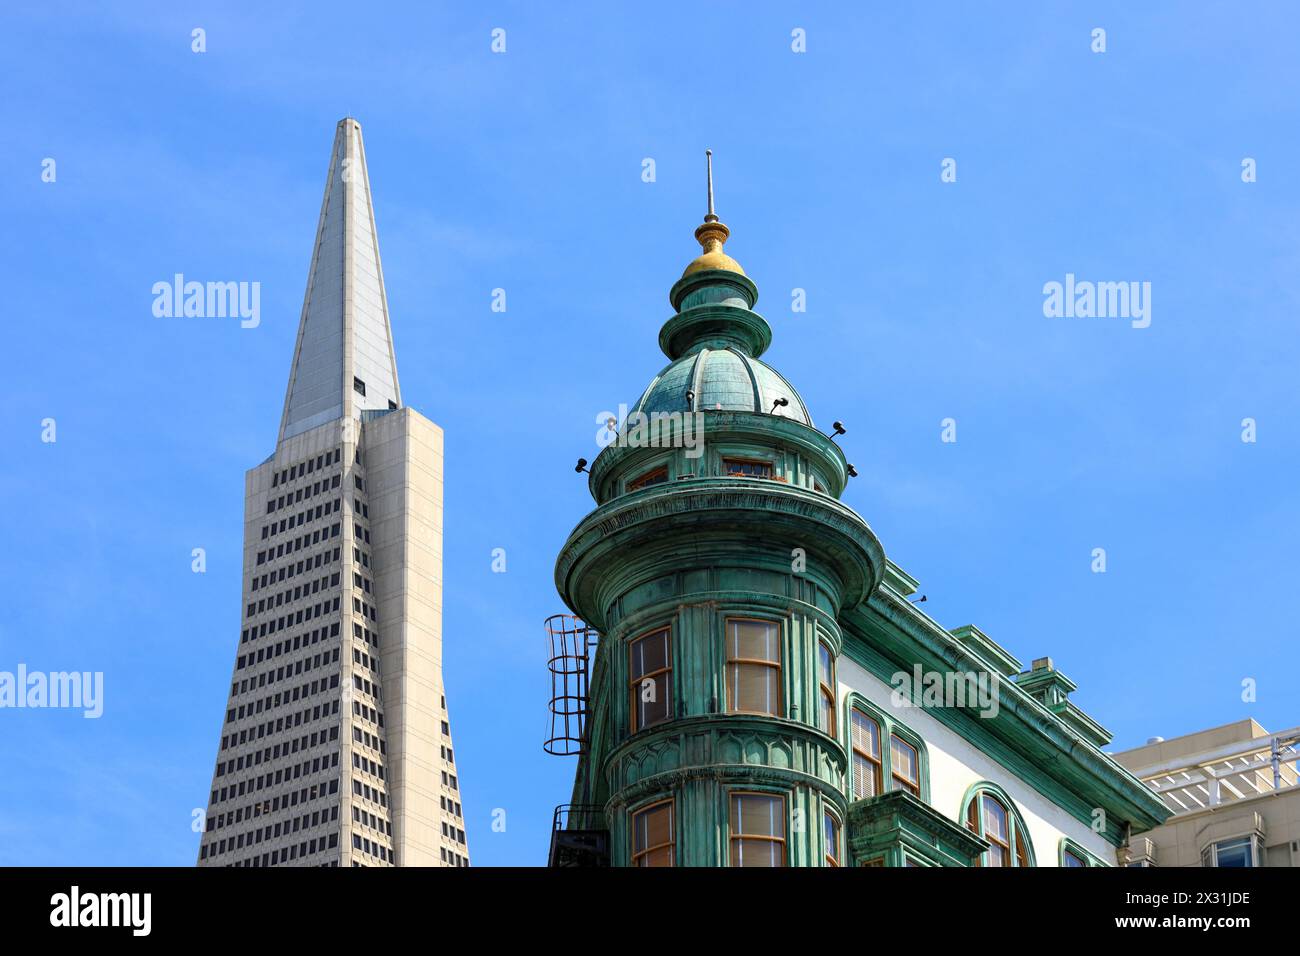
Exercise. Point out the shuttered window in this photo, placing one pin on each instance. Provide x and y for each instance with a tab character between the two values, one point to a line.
904	766
865	734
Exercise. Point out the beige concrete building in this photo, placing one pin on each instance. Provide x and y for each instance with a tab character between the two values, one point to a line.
336	744
1233	790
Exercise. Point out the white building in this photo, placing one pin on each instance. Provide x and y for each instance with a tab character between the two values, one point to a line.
1234	793
335	745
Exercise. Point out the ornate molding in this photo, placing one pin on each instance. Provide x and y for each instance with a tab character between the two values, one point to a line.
738	748
598	549
898	821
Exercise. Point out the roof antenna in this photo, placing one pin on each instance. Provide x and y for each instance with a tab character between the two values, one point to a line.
708	159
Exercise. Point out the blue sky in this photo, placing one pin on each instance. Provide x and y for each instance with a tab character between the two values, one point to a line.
522	171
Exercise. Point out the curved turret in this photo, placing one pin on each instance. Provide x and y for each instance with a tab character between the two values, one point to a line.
715	567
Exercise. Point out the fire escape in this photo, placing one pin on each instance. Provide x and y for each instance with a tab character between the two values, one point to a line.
579	836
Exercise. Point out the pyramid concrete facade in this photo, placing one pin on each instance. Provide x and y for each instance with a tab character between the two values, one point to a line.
335	746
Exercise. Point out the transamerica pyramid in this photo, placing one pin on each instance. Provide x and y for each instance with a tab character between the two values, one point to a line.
335	744
344	336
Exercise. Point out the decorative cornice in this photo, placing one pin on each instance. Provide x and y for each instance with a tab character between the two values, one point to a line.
987	648
1045	683
724	426
829	530
718	325
877	822
781	729
898	579
687	289
1081	723
889	634
745	775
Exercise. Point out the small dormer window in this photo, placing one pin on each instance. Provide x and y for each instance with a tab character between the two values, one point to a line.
656	477
358	386
745	468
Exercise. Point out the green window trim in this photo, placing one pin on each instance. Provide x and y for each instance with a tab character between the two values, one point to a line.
749	466
620	704
896	828
723	455
668	799
831	813
781	665
886	629
832	826
1015	820
666	463
1069	846
827	685
648	479
760	790
888	728
635	689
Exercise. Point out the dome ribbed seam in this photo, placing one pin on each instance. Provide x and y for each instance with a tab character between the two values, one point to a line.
753	379
697	375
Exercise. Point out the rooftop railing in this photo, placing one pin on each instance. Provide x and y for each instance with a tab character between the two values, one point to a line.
1236	771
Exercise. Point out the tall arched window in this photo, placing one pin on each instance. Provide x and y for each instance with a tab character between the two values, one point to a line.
991	814
1072	854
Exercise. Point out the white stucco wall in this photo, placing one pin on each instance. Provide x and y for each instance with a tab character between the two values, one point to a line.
956	764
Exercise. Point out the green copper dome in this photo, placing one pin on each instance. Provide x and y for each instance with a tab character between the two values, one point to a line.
722	379
714	340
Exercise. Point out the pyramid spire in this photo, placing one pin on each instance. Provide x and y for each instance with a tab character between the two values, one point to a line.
343	360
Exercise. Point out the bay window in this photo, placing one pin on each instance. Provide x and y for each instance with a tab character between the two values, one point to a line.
757	830
654	837
650	672
753	666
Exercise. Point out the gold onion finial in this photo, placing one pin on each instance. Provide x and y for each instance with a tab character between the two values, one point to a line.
712	235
